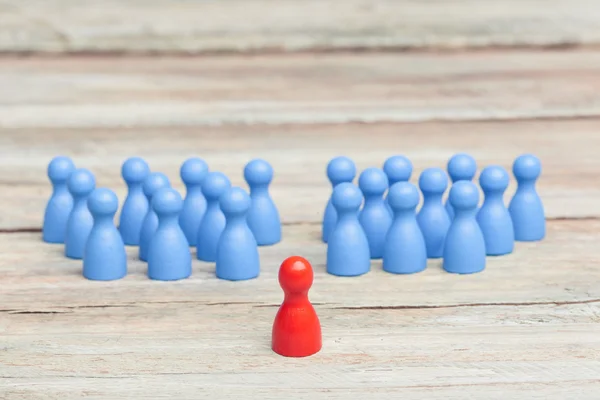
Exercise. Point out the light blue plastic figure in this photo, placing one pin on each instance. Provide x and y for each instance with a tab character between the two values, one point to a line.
374	217
398	169
263	217
405	251
104	258
526	208
60	204
493	216
464	250
169	256
237	251
153	183
193	171
81	183
339	170
433	219
134	171
461	167
348	247
213	223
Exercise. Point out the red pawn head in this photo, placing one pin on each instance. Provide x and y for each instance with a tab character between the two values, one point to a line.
296	330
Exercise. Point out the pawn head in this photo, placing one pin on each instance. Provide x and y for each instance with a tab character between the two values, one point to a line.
258	172
193	171
235	200
398	169
214	185
433	180
493	179
60	168
464	195
527	167
295	275
341	169
403	196
103	201
81	182
135	170
154	182
346	197
167	201
373	181
462	167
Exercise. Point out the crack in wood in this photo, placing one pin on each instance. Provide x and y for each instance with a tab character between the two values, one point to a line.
500	304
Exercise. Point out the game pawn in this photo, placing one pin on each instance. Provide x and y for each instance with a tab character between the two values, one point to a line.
339	170
153	183
526	208
193	172
461	167
433	219
374	216
263	217
398	169
81	183
134	171
60	204
213	223
296	329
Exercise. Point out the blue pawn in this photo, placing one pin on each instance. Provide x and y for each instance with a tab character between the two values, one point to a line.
154	182
405	251
461	167
464	250
169	256
263	217
237	251
526	208
60	204
104	258
81	183
339	170
398	169
213	223
193	171
433	218
493	217
134	172
348	247
374	217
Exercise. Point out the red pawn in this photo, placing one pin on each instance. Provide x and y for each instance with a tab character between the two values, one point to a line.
296	330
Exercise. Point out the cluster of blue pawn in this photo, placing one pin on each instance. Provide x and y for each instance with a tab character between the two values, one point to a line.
224	223
379	218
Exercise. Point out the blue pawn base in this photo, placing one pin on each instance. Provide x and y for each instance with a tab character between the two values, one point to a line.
347	275
464	271
168	278
237	278
404	271
103	277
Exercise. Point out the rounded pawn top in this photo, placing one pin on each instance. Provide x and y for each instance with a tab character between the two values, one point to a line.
433	180
167	201
193	171
235	200
403	196
153	182
341	169
60	168
135	170
462	167
258	172
214	185
398	168
373	181
103	201
346	196
493	178
464	195
81	182
527	167
295	275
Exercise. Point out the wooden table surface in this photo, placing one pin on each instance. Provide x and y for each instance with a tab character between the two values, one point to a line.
528	327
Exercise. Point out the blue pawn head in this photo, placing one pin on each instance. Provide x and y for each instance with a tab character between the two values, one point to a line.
398	169
527	168
134	170
433	180
258	173
341	169
81	183
403	196
462	167
464	195
59	169
235	201
493	179
214	185
373	182
346	197
193	171
154	182
167	201
103	202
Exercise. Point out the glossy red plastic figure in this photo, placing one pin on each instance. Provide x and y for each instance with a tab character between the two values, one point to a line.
296	330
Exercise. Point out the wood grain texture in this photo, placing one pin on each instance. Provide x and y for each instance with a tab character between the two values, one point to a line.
191	27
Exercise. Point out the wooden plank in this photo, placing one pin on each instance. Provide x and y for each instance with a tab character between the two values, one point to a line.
191	27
